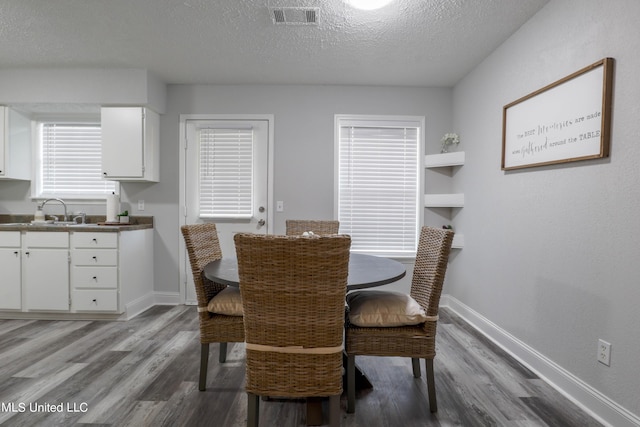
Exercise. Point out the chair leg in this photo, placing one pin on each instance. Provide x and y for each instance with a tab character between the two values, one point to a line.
415	363
314	411
204	364
253	409
334	410
223	352
351	384
431	386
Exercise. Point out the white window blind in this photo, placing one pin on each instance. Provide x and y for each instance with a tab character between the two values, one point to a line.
378	186
71	163
226	173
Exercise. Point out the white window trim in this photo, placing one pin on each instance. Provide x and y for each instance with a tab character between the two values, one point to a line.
380	119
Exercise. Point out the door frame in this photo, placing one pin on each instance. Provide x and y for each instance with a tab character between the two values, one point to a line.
183	258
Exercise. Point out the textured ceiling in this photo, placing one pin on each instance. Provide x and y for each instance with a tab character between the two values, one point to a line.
407	43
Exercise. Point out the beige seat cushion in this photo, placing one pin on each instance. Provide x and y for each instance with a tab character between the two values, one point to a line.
384	309
228	301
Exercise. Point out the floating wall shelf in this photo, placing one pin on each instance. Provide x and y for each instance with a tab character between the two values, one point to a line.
444	200
454	200
458	241
444	159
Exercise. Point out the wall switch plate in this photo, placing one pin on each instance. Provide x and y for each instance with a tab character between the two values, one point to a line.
279	206
604	352
140	205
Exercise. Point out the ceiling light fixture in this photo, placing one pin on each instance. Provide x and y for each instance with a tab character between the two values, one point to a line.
368	4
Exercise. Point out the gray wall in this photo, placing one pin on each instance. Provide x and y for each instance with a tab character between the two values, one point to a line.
303	146
551	253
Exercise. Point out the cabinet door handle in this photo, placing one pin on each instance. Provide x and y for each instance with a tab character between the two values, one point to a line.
95	241
27	253
95	278
95	258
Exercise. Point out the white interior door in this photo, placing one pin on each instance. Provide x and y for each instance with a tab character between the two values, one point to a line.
226	179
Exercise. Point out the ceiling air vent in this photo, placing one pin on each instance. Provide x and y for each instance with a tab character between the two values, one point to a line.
295	15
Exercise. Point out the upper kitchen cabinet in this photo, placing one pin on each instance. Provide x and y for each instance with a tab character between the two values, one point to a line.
130	144
15	145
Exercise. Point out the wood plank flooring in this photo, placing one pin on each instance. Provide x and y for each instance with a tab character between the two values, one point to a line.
144	372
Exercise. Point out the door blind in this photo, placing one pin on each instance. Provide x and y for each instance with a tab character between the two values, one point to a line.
71	161
378	187
226	173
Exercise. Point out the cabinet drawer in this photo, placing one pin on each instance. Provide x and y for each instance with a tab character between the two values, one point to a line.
94	240
10	239
94	277
47	239
92	257
94	300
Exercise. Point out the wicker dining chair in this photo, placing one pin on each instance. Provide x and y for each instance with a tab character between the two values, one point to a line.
296	227
409	329
293	291
203	247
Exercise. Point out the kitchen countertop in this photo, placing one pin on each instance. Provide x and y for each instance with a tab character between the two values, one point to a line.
94	224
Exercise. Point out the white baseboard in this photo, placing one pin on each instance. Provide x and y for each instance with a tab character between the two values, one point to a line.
589	399
167	298
139	305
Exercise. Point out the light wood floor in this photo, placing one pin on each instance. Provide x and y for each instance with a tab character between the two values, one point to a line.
144	373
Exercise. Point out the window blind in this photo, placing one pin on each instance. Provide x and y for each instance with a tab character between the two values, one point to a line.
71	162
378	187
226	173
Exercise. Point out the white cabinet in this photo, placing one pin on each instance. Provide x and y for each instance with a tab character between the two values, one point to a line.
71	274
15	145
94	272
45	271
10	266
130	144
442	204
111	272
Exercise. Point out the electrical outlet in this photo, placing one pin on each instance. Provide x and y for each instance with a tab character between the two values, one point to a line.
140	205
279	206
604	352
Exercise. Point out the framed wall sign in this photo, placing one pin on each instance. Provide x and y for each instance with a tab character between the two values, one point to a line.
566	121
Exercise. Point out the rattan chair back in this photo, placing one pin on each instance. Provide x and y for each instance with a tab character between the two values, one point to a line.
293	290
429	270
203	246
296	227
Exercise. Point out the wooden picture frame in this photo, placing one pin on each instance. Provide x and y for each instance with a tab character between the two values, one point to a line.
566	121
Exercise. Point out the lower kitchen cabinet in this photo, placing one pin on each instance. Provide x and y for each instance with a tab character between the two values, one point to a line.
10	266
94	272
110	271
46	271
67	273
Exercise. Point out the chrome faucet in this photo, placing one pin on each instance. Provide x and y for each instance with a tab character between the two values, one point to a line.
82	217
57	200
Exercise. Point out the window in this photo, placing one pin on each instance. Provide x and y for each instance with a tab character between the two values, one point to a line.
69	161
226	173
378	179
